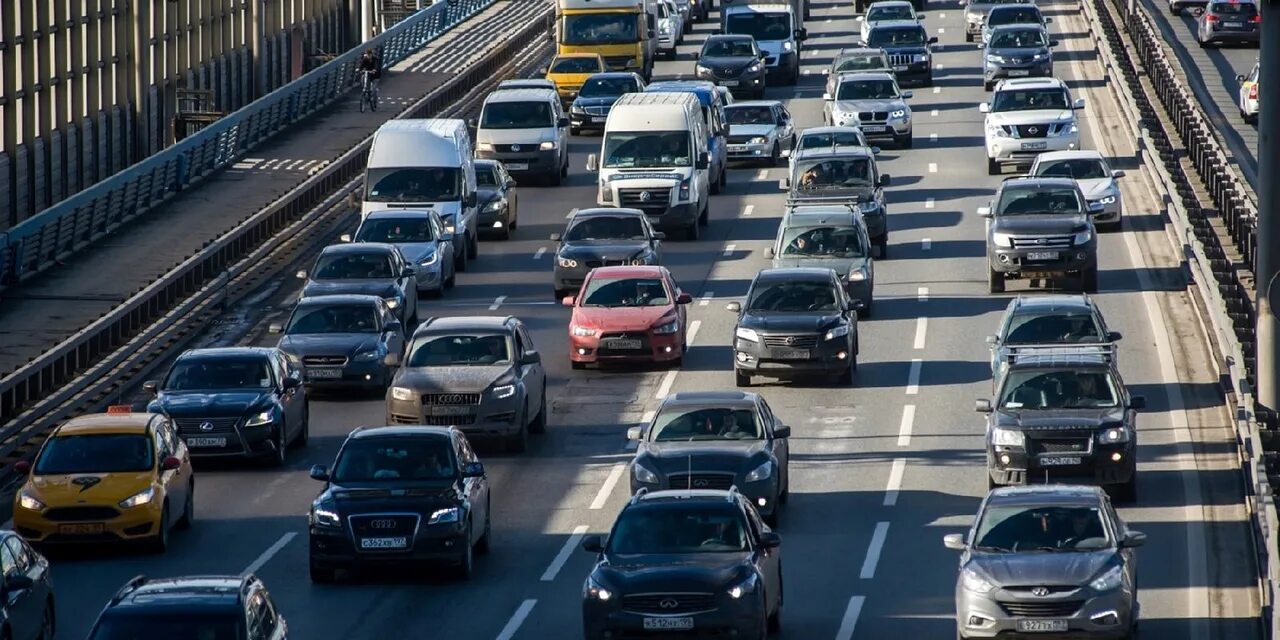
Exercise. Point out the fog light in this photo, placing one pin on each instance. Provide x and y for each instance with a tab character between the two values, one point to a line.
742	357
1115	457
497	224
1004	258
1080	255
842	355
448	543
368	377
976	621
666	349
761	501
1106	617
581	351
1004	458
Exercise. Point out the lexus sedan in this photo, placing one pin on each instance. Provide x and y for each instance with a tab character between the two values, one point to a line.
366	268
628	314
342	341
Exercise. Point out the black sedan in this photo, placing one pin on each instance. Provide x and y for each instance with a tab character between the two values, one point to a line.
343	341
733	61
496	198
603	237
27	611
400	496
368	268
591	108
234	402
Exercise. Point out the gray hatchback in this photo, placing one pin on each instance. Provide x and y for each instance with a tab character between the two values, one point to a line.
1237	21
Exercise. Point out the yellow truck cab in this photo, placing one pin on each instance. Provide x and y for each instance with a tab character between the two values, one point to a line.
623	32
569	71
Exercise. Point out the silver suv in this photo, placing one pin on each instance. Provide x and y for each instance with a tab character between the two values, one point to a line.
872	102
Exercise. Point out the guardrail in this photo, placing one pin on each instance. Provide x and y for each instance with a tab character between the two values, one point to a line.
39	242
1213	217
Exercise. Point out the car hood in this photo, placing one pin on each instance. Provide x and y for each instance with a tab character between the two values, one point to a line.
532	137
459	379
1016	52
328	344
841	266
733	63
77	488
1040	224
1059	419
1048	569
752	129
603	249
649	573
789	322
421	497
487	194
728	456
384	288
1095	188
210	404
892	104
620	318
598	101
569	81
1032	116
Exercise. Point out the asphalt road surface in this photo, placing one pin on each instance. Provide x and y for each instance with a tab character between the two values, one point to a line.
880	472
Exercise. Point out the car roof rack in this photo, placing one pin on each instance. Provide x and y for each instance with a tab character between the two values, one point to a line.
1105	350
129	587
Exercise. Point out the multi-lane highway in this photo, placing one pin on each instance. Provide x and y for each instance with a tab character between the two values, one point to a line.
880	472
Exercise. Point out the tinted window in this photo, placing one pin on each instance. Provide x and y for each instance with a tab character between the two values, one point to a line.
608	87
1039	201
1234	8
486	175
1014	15
453	350
516	115
867	90
1053	327
219	373
336	319
602	28
398	230
761	26
891	12
794	296
576	65
1036	389
415	184
810	141
606	228
833	173
683	424
1029	99
637	150
861	63
22	560
1082	169
1051	528
724	47
625	292
1019	39
353	266
834	242
367	459
749	115
103	453
903	37
186	625
680	528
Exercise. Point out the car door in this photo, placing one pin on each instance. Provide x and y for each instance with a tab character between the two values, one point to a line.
1120	529
534	375
407	281
292	400
680	308
474	490
392	331
655	244
170	480
786	130
24	608
780	446
767	561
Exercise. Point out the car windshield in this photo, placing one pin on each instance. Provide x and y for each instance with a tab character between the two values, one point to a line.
838	173
1039	201
516	115
413	184
1081	169
844	138
748	115
870	62
647	150
185	625
1019	39
398	230
1054	327
1040	389
218	373
761	26
98	453
608	87
795	296
486	175
599	28
1234	8
1047	528
728	48
578	64
890	12
898	37
823	242
867	90
333	319
458	350
369	459
1014	15
672	528
353	266
1030	99
688	425
626	292
606	228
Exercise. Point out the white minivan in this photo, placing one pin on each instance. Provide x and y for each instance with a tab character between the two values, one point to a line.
426	164
527	131
654	157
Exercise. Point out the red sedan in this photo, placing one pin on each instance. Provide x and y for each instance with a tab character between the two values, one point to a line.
627	314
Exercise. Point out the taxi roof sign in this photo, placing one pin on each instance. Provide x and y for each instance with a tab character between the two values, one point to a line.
117	409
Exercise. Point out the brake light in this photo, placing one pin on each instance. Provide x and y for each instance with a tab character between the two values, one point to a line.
117	409
1210	18
1256	19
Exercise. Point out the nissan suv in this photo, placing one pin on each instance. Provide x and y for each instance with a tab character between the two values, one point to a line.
1040	228
1026	117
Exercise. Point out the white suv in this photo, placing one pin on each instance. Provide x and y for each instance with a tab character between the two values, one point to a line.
1026	117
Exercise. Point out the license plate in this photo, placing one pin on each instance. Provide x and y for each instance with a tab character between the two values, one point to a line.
1042	626
658	624
516	166
1042	255
1034	146
206	442
599	119
326	374
737	148
384	543
1059	461
80	529
1014	73
790	354
623	344
1233	25
729	83
900	67
873	128
450	411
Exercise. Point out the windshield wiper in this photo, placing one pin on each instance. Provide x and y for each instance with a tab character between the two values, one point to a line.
1054	549
992	549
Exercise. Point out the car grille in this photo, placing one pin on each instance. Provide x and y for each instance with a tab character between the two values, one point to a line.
617	62
516	148
873	116
606	340
738	139
897	59
1056	609
77	514
1041	242
1071	445
596	111
718	481
1048	589
1032	130
725	72
595	264
450	398
658	199
324	361
770	59
668	603
191	426
447	421
791	342
377	525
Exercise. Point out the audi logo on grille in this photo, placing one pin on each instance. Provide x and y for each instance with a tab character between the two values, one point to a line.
383	523
700	483
206	426
1040	592
452	398
669	603
645	196
1033	130
515	147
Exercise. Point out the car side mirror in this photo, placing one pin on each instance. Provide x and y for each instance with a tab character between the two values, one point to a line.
703	161
319	472
984	108
984	212
826	96
562	122
875	151
593	164
555	237
735	307
684	298
907	95
768	252
542	71
658	235
635	433
1197	12
1078	104
290	383
170	464
933	40
1113	336
652	34
469	200
770	540
346	237
391	359
511	182
802	34
1118	173
953	541
530	357
593	544
275	327
473	470
1053	43
763	56
1138	402
993	340
982	405
568	301
782	432
1048	20
407	273
151	386
885	180
17	582
1239	77
919	17
855	305
301	274
1133	539
784	184
22	467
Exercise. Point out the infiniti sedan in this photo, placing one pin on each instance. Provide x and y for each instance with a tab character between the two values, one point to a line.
342	341
365	268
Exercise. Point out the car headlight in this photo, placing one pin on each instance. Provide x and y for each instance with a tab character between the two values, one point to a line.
138	499
567	263
1082	237
1002	239
548	145
443	516
504	391
1109	580
643	474
1114	435
644	258
749	335
1108	200
484	146
758	140
392	303
702	69
430	259
606	194
263	417
1064	129
1007	437
787	46
921	57
402	393
592	590
583	332
576	108
870	206
685	186
1043	55
497	205
753	68
28	502
838	332
974	582
857	275
744	587
996	131
324	517
761	472
995	59
667	328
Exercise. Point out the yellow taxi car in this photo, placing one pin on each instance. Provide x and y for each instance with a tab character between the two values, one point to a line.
107	477
570	71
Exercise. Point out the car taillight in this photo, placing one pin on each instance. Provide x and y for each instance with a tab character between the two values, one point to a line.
1211	18
1256	19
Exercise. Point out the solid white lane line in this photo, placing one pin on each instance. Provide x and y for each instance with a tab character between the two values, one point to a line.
873	551
941	30
537	255
895	482
933	137
933	113
941	16
270	553
706	298
908	422
933	167
938	66
571	213
937	89
762	174
497	302
922	326
513	625
607	488
922	294
913	377
692	333
850	619
746	211
804	72
665	388
729	249
570	545
926	244
928	203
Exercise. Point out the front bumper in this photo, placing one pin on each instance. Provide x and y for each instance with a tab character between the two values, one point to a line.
487	416
333	548
569	93
746	81
750	152
1098	615
136	523
992	71
1015	466
730	618
762	493
667	41
825	358
1014	150
584	120
677	216
1017	261
653	348
874	130
785	63
877	224
525	162
914	71
1111	213
428	278
859	290
494	220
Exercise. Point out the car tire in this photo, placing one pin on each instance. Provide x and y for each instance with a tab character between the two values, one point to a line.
473	246
466	564
48	621
845	378
575	131
160	541
717	187
882	247
483	544
577	366
866	310
741	379
321	574
775	620
460	262
995	280
539	424
450	281
1175	11
905	142
1089	280
704	218
993	167
188	508
968	37
691	232
988	86
775	157
518	442
305	433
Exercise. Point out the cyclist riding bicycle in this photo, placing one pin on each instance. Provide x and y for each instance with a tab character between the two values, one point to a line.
373	64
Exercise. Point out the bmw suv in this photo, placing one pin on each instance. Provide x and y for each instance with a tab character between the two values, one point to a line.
1026	117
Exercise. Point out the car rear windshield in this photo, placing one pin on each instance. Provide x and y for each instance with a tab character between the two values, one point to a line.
689	425
186	625
867	90
837	173
700	527
608	87
1045	529
793	296
823	242
1038	390
414	184
749	115
97	453
1019	39
399	230
516	115
861	63
728	48
626	292
890	12
1054	327
368	459
458	350
897	37
221	373
1039	201
1079	169
606	228
353	266
333	319
1234	8
1029	99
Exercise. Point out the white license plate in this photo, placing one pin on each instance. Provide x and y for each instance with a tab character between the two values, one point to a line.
900	67
516	166
729	83
623	344
1034	146
658	624
735	148
324	373
599	119
874	128
1042	255
790	354
384	543
450	411
1233	25
1042	626
206	442
1014	73
1059	461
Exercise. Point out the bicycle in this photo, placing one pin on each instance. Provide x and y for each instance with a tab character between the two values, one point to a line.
368	91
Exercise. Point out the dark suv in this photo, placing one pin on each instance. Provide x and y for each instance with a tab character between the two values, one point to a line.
1041	228
795	321
222	607
909	48
1065	321
677	562
1059	415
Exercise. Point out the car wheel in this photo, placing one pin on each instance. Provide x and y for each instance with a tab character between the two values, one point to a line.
704	218
692	232
775	620
741	379
882	247
988	86
539	424
717	186
305	434
775	157
1089	280
188	508
466	564
460	262
845	378
1175	10
321	574
995	280
968	37
518	442
907	141
575	131
160	541
281	453
49	622
450	281
473	247
482	545
865	311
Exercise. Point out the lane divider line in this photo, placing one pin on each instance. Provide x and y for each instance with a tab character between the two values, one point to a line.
607	488
933	137
934	113
913	377
895	482
937	89
762	174
941	30
746	211
922	294
692	333
933	167
537	255
938	66
706	298
729	249
665	388
270	553
570	545
873	551
850	619
905	427
928	203
513	625
926	244
922	326
497	302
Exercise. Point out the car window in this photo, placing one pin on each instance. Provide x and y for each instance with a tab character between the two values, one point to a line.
766	415
1077	168
728	48
1030	99
354	266
161	445
370	459
749	114
834	173
484	349
1047	528
680	529
532	114
8	563
1039	389
795	296
626	292
184	625
897	37
1019	39
403	230
22	559
218	373
608	86
1247	9
823	242
891	12
868	62
885	89
1014	15
518	341
815	140
97	453
525	338
1053	327
316	319
606	228
576	65
677	424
